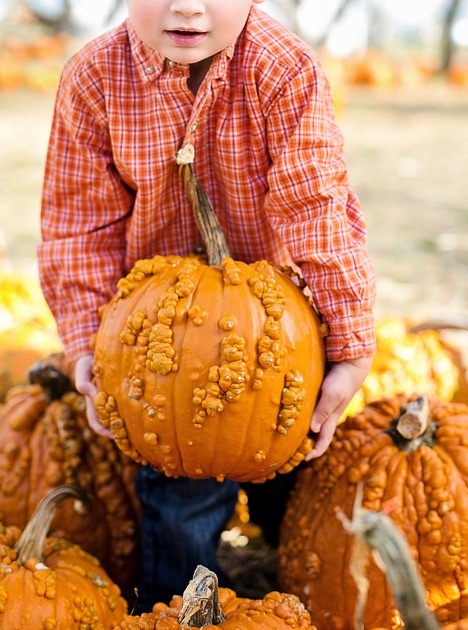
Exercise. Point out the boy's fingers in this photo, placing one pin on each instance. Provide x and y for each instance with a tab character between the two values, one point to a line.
327	406
325	437
93	420
86	388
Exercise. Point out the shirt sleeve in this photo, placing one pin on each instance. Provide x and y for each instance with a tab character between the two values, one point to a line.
316	213
84	208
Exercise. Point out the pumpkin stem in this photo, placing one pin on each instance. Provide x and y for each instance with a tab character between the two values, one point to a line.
210	228
31	542
50	377
377	531
413	428
414	420
200	605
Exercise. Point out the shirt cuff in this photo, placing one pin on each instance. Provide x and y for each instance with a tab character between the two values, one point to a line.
351	338
77	341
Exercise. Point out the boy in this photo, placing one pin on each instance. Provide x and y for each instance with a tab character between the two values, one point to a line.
253	101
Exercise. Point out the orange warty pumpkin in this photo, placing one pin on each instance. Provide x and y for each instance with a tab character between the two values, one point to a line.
209	372
46	442
420	480
53	585
204	606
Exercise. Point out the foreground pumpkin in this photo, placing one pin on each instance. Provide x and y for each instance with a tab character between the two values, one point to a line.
418	473
45	442
209	370
52	584
204	606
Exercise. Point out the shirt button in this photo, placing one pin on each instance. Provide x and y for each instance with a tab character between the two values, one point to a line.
193	128
149	69
171	64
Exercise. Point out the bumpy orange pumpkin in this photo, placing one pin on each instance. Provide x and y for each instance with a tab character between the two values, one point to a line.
203	606
56	584
422	482
45	443
209	372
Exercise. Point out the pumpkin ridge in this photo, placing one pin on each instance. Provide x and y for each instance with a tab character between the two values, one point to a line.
164	278
178	343
216	302
242	443
262	316
15	479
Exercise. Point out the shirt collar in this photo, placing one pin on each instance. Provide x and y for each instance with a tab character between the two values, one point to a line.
151	64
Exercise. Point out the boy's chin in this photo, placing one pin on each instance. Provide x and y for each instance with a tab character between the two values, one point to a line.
191	57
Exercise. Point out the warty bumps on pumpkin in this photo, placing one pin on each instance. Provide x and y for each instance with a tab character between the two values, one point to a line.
209	371
45	442
205	606
51	583
420	478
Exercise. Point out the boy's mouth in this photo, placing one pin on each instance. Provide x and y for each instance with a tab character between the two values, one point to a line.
185	37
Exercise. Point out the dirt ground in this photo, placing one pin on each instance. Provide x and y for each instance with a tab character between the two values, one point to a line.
407	152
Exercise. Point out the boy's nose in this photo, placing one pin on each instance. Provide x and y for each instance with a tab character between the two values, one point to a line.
187	7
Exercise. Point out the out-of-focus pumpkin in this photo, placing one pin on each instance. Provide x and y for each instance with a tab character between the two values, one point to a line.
209	370
422	482
32	63
374	68
27	328
204	606
412	357
45	442
458	74
52	583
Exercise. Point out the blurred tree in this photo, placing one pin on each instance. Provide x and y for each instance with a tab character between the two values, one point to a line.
115	7
448	44
339	13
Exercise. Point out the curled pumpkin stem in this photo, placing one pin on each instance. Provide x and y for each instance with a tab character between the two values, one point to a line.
210	228
200	605
31	542
49	375
377	532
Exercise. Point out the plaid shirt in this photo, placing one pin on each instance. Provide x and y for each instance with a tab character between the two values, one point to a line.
267	151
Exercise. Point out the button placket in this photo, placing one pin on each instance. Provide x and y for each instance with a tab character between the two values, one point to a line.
203	100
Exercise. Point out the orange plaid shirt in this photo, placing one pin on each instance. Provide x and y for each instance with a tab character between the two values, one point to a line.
267	151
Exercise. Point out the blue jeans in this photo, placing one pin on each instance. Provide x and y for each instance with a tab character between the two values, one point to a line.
182	520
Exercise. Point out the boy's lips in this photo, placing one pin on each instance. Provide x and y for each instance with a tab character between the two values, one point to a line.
185	37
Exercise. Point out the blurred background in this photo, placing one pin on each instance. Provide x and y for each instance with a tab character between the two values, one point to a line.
399	75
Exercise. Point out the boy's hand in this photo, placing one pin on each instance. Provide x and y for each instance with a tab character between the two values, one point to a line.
339	386
84	384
